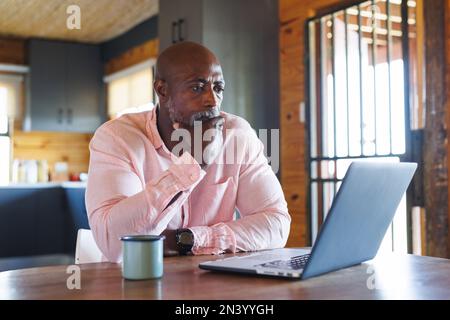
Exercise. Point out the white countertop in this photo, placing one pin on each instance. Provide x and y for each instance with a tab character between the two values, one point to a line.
44	185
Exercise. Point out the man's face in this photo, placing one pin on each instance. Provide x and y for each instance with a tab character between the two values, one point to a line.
195	93
191	94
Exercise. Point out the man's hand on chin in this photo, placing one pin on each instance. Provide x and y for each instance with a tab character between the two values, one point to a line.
170	245
212	141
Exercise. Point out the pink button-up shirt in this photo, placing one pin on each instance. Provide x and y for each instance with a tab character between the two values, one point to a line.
133	177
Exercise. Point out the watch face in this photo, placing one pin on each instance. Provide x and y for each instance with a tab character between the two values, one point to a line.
186	238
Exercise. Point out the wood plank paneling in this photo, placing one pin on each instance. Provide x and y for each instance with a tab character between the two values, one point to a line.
435	149
291	34
100	20
72	148
447	73
12	51
294	9
145	51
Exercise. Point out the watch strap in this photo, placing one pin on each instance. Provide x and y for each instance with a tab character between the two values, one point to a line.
184	248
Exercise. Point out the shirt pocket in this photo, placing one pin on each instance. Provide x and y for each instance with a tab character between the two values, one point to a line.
216	202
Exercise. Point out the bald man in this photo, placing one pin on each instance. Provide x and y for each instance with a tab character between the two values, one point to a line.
184	168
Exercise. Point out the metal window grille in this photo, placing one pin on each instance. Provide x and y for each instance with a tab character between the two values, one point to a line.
358	94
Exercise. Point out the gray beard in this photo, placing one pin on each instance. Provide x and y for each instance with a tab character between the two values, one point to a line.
174	115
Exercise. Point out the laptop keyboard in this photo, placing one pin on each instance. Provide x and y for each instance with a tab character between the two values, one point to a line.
295	263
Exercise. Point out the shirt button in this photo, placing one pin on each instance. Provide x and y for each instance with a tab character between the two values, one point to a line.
193	178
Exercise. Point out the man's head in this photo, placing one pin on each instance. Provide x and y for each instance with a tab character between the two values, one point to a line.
189	83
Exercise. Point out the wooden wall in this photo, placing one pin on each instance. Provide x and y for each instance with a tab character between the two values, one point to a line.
12	51
293	14
447	91
72	148
435	157
135	55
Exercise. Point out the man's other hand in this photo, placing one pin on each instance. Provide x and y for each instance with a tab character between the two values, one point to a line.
214	143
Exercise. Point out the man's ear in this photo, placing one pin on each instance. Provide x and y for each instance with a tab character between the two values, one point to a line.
160	87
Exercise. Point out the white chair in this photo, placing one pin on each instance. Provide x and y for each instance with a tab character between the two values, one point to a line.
86	250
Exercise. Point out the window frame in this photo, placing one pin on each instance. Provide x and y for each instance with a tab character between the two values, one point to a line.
309	100
8	130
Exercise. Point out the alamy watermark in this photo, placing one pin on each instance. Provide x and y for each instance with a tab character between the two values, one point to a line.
74	17
234	146
74	280
391	278
371	282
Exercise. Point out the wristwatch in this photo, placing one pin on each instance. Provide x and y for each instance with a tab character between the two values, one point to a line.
185	240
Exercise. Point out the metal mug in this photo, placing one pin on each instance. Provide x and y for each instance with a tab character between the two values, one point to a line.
142	257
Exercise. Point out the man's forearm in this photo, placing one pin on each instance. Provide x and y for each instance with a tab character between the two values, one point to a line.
147	212
109	223
173	199
255	232
260	231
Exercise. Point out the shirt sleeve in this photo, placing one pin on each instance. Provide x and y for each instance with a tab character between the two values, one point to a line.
119	203
265	221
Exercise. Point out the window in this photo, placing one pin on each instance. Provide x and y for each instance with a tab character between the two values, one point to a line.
130	90
359	102
5	152
9	101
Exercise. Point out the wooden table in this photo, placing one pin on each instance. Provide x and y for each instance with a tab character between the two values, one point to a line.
388	277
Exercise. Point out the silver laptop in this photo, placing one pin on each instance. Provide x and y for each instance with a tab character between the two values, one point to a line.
351	234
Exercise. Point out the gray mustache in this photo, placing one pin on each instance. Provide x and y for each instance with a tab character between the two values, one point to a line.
204	115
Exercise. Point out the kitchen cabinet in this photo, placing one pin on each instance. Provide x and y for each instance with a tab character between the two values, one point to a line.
66	92
17	222
41	220
31	221
180	20
47	88
50	221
